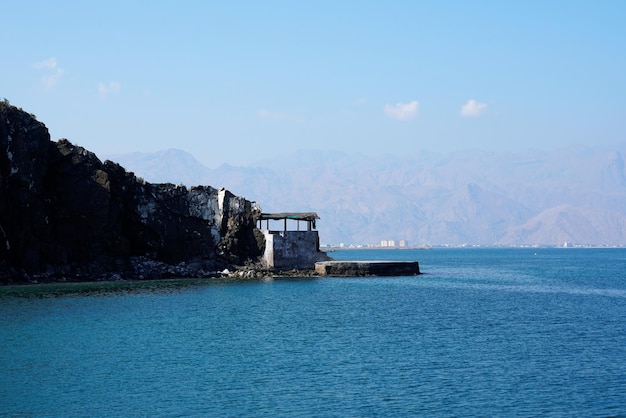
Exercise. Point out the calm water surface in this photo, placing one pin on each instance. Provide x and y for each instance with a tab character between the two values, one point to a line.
487	332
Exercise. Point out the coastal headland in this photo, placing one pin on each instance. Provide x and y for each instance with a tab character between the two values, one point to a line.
66	215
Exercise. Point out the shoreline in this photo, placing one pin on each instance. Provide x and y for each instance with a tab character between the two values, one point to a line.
69	287
242	273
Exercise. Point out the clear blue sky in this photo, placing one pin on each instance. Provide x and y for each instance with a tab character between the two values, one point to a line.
237	81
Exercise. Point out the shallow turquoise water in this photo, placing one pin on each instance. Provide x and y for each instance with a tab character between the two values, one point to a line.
487	332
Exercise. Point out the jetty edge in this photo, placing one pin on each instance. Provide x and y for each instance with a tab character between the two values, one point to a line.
348	268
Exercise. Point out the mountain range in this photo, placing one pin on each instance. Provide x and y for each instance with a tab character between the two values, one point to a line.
568	196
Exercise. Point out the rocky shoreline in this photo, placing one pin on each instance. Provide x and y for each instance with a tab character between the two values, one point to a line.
147	270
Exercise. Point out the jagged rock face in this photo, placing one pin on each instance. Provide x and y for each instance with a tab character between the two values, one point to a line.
24	144
63	211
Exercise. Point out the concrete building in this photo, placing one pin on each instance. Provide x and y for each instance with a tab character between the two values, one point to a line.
286	248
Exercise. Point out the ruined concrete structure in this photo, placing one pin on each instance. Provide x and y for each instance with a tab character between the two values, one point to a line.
347	268
289	249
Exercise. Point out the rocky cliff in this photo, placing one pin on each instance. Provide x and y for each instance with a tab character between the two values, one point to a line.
64	214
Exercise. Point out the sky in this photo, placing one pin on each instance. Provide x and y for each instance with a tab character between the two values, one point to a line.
235	82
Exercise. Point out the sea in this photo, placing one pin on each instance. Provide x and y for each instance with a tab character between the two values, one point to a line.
487	332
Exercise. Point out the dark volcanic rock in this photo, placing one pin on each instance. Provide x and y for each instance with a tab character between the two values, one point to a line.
65	214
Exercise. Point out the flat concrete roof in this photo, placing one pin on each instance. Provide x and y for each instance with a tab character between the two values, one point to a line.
298	216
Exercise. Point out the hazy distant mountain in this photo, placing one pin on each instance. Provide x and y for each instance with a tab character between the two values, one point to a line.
575	195
167	166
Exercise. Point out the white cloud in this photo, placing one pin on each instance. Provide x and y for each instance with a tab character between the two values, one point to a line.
105	90
53	72
473	108
50	63
268	114
402	111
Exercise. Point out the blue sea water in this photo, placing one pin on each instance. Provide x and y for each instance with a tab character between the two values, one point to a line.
483	332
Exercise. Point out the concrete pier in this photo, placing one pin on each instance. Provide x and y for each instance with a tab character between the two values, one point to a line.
367	268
